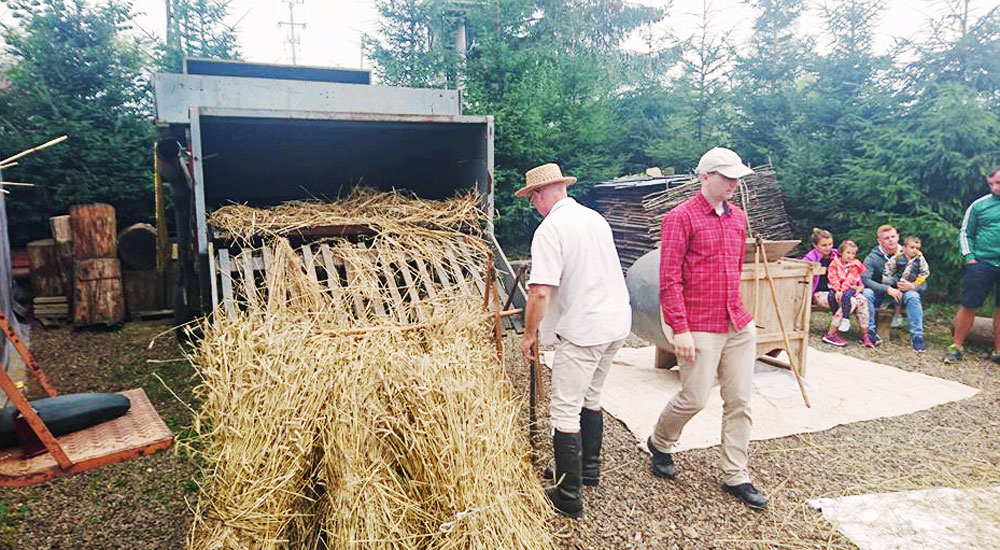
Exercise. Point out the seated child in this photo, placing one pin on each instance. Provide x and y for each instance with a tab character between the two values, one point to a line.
908	264
844	275
822	253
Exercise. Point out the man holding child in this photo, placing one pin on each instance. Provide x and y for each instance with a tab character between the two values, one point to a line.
905	292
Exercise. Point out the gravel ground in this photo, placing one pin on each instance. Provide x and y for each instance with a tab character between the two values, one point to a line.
142	503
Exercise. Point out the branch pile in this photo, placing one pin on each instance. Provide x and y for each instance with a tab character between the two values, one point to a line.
635	214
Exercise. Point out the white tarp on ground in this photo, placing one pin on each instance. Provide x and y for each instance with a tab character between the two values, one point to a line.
930	518
841	389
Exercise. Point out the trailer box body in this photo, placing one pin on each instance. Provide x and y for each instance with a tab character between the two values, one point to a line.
264	141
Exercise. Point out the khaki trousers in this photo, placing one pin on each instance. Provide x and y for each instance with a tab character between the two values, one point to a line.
729	357
578	374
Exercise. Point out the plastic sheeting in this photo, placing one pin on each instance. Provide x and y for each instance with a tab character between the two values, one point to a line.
7	291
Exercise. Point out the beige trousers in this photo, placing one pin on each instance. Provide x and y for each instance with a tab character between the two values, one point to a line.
578	374
729	357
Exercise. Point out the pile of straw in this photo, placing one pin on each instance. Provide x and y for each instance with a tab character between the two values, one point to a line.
384	213
322	430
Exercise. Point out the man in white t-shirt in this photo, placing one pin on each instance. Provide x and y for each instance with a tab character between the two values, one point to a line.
577	284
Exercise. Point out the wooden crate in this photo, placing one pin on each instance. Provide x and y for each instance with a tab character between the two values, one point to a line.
793	296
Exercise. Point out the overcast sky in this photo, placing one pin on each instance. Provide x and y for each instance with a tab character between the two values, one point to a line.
332	35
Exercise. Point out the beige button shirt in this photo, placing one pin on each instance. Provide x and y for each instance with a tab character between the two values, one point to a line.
574	251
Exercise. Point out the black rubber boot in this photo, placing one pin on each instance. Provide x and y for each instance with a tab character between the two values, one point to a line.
565	496
591	436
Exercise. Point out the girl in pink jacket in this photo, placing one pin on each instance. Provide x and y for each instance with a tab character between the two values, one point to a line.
844	277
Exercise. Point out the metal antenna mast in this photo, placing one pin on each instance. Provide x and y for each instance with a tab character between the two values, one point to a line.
293	40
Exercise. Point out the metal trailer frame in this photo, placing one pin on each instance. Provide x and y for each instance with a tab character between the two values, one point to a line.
185	103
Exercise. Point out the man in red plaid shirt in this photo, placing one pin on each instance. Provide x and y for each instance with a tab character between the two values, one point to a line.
713	335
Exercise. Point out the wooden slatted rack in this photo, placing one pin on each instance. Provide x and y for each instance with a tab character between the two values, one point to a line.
404	281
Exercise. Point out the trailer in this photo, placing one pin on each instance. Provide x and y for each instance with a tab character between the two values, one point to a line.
262	135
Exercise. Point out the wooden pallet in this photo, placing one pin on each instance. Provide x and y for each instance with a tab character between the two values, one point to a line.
407	283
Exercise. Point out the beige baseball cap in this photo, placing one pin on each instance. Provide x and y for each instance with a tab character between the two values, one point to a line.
723	161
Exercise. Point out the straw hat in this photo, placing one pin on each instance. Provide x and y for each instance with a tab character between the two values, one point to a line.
541	176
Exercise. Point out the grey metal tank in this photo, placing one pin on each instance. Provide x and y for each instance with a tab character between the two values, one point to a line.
643	281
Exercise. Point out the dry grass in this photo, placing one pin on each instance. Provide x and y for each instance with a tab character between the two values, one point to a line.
386	214
328	425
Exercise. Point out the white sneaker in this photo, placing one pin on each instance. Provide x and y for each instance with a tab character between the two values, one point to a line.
845	324
897	321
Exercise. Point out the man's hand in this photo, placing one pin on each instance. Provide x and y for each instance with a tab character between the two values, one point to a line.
684	346
895	293
528	347
906	286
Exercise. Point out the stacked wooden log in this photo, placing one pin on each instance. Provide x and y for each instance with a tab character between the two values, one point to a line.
51	270
635	209
50	282
98	297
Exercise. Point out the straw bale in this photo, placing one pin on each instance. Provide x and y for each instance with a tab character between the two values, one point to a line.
324	429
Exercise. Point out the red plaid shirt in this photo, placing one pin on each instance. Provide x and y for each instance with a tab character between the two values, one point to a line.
701	260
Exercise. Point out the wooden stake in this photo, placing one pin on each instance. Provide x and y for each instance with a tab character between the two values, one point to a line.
533	398
5	163
792	361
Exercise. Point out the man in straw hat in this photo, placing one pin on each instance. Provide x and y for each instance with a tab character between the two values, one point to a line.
576	283
713	335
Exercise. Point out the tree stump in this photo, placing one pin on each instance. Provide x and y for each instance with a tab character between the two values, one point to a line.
48	276
137	247
94	231
98	297
142	290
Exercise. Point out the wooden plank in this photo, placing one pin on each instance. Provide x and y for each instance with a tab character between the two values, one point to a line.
439	269
331	264
425	276
212	271
411	288
249	283
226	271
477	277
268	258
388	272
456	270
352	278
51	300
368	258
307	260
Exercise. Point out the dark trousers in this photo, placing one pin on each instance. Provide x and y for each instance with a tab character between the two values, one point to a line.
845	301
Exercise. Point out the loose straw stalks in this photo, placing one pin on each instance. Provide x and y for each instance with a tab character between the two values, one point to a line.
324	428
